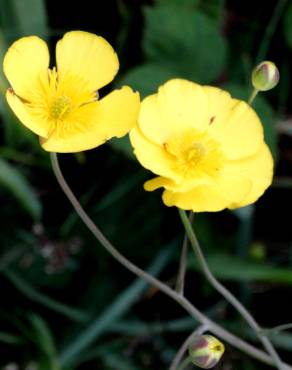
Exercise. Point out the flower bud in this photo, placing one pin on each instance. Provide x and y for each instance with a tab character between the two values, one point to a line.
265	76
206	351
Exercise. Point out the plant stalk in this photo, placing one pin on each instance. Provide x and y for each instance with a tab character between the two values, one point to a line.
181	300
226	293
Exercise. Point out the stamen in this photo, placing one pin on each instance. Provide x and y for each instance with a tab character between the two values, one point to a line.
195	153
60	107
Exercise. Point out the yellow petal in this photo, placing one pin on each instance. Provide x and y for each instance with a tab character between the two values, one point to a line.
92	124
40	127
259	169
152	156
235	124
25	65
178	105
158	182
118	112
87	56
200	199
210	198
233	187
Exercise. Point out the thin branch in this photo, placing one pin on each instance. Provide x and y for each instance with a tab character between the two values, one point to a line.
180	283
227	294
276	329
181	300
184	347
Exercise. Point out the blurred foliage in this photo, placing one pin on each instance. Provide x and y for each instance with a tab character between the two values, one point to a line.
177	42
65	303
17	184
288	25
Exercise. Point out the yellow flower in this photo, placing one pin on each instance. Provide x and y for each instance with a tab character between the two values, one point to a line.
61	105
207	148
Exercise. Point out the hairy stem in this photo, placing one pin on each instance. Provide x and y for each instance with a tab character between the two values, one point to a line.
181	300
226	293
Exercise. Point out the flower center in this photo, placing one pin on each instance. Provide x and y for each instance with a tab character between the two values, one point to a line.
195	154
60	107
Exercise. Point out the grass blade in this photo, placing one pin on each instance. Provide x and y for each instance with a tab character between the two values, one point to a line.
114	312
45	343
36	296
21	18
13	180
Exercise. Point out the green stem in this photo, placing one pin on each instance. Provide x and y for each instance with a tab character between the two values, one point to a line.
180	299
180	283
187	361
252	96
226	294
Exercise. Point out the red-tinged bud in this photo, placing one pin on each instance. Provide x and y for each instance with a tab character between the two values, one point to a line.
265	76
206	351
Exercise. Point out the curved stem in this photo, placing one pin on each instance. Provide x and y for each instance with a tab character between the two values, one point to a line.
226	293
181	300
180	283
185	363
184	347
252	96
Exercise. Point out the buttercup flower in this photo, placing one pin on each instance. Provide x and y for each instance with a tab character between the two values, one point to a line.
61	105
207	148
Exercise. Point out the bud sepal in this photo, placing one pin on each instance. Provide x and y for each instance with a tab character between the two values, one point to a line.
206	351
265	76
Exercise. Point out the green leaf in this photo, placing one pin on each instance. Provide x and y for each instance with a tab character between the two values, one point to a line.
33	294
44	337
147	77
13	180
3	48
122	145
287	24
180	3
214	9
264	111
10	339
186	42
44	340
229	267
20	18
